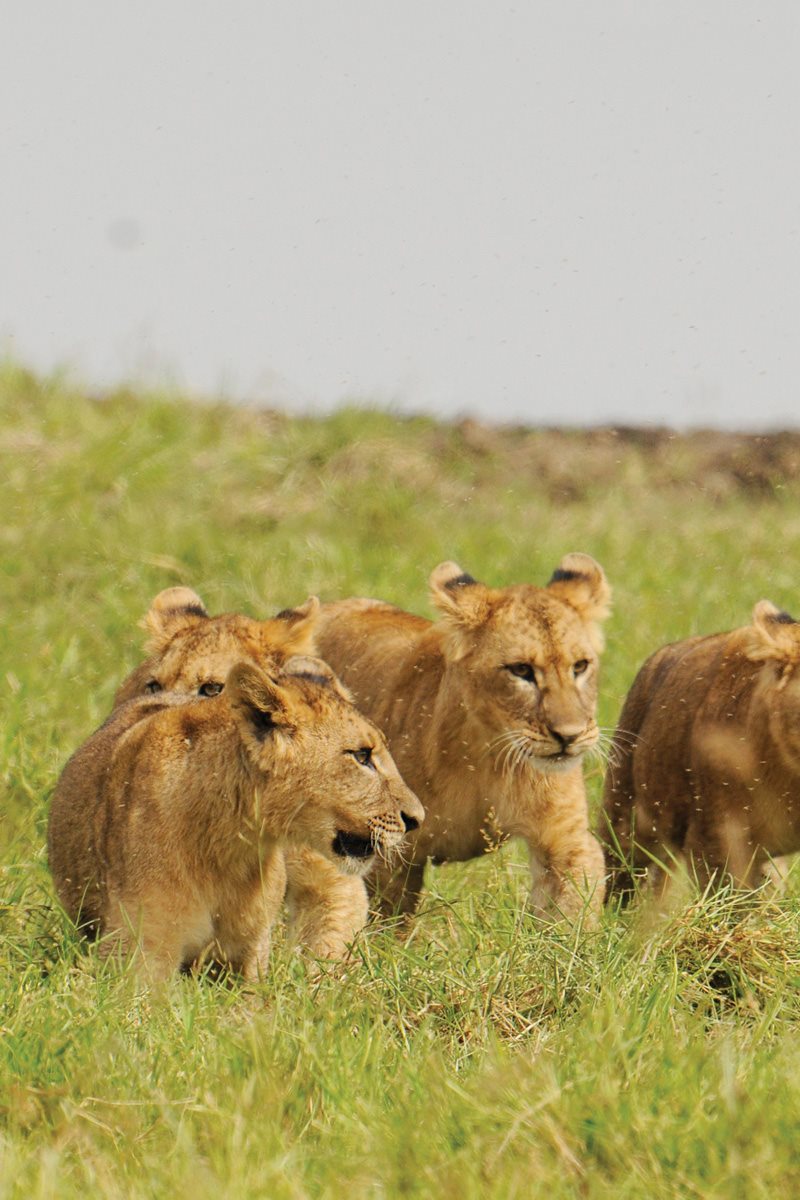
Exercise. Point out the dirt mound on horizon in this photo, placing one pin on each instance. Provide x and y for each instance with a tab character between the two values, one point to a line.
571	462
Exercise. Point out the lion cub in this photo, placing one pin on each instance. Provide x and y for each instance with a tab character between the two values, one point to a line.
166	825
706	764
192	652
488	713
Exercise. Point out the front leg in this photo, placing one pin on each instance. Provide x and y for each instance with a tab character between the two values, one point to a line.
327	908
243	926
569	880
395	891
567	865
150	929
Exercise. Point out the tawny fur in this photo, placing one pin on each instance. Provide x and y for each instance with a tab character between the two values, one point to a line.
489	752
705	767
190	651
166	827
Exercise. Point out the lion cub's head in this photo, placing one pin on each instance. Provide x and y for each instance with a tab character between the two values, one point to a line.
524	659
191	652
774	639
347	799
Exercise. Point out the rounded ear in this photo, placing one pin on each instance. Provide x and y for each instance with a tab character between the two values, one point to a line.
774	634
581	582
458	595
292	630
256	698
170	611
315	670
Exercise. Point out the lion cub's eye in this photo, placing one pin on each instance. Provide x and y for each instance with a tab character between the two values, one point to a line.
522	671
152	686
363	756
209	688
580	667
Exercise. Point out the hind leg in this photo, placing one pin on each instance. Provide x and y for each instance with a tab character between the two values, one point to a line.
720	847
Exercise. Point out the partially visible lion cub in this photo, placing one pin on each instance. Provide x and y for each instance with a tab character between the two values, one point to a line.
192	652
189	651
706	761
166	826
488	713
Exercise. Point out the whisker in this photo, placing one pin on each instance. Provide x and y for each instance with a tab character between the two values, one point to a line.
623	736
377	845
508	756
509	735
523	753
515	749
499	756
505	733
508	743
398	856
606	754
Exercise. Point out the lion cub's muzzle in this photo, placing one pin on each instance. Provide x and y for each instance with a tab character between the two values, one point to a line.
566	747
385	837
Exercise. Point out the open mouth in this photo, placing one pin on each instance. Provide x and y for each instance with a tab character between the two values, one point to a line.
351	845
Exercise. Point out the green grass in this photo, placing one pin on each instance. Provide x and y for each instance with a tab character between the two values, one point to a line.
484	1056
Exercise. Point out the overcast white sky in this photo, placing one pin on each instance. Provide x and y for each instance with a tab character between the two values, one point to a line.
557	211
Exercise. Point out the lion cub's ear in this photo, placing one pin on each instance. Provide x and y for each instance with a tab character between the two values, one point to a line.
463	602
172	609
292	630
581	583
458	595
315	670
774	634
256	699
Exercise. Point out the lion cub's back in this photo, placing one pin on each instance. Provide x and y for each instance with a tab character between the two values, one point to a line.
369	643
76	810
677	686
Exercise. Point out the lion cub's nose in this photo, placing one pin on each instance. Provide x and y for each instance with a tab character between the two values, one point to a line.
565	736
409	822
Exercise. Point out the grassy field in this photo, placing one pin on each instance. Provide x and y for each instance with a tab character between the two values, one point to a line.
484	1056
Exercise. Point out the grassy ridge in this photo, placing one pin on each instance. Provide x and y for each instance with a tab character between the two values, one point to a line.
484	1056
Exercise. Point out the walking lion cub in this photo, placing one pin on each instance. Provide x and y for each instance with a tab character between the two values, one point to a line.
488	713
706	759
166	826
192	652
